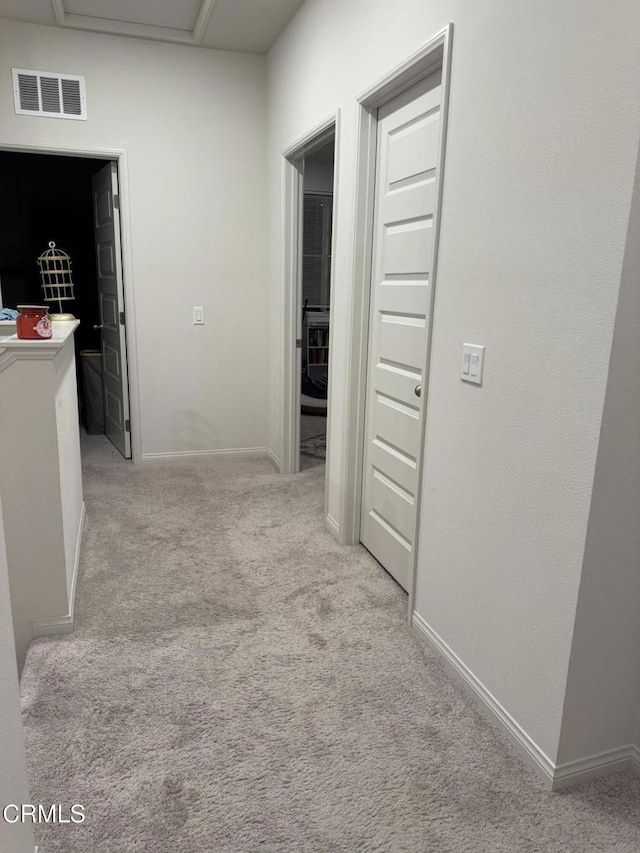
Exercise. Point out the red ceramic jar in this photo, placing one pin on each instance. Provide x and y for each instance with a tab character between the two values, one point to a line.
33	322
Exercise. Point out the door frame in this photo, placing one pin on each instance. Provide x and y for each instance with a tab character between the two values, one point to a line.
434	55
293	196
120	157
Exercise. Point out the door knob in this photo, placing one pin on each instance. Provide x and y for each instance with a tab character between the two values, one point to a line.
418	390
99	326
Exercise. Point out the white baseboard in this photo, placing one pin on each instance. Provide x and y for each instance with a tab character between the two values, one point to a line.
257	452
526	747
64	624
556	776
332	526
272	456
592	767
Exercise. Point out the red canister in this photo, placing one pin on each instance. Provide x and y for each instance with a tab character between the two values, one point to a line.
33	322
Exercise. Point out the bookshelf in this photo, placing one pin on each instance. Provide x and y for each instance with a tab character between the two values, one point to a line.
316	343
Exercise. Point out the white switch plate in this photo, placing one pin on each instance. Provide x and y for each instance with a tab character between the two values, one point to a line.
472	363
198	316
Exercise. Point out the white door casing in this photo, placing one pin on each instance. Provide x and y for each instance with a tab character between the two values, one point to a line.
111	299
405	204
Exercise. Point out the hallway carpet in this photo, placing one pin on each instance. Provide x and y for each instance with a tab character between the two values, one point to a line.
239	682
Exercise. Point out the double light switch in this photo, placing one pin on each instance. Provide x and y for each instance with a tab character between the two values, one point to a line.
472	363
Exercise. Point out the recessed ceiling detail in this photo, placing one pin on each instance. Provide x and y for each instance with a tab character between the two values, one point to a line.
176	16
183	22
250	26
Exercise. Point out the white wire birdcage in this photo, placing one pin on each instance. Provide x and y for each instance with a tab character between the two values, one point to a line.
56	280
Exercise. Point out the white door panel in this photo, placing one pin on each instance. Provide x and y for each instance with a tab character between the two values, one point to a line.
407	248
397	382
410	202
413	149
400	467
391	501
398	424
403	297
387	546
401	342
111	300
407	157
402	107
114	407
111	362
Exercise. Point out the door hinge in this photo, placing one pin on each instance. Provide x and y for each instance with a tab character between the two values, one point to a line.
122	318
127	425
298	343
116	202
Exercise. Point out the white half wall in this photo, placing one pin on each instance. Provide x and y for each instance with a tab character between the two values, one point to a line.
537	189
193	124
14	838
69	460
41	482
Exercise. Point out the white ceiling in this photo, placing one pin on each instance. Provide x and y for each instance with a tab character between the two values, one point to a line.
246	25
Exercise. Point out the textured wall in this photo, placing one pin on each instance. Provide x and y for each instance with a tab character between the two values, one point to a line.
541	154
193	124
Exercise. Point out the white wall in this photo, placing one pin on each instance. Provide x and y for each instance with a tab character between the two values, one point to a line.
318	177
603	688
193	124
537	187
14	838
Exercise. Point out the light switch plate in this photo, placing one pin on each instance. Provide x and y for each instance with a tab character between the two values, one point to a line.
472	363
198	316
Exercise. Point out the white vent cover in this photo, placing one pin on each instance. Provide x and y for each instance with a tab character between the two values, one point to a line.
44	93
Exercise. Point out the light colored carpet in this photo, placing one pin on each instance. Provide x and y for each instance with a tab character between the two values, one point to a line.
315	445
312	425
239	682
313	440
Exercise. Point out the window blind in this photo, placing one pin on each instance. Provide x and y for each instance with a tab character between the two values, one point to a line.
316	248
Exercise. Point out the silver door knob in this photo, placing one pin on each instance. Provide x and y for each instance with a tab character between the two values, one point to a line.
418	390
99	326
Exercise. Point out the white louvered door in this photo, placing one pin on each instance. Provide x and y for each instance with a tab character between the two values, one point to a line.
407	157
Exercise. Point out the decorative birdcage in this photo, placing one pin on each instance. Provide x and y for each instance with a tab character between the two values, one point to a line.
56	280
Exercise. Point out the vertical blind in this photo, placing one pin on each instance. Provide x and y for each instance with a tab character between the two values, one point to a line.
316	248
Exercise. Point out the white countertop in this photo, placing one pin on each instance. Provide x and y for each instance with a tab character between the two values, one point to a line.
62	330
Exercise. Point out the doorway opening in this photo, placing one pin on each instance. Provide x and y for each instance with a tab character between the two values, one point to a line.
317	229
72	201
310	181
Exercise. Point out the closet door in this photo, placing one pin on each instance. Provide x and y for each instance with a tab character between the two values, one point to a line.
111	297
407	157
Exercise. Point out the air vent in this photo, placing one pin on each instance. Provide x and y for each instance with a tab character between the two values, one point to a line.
43	93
